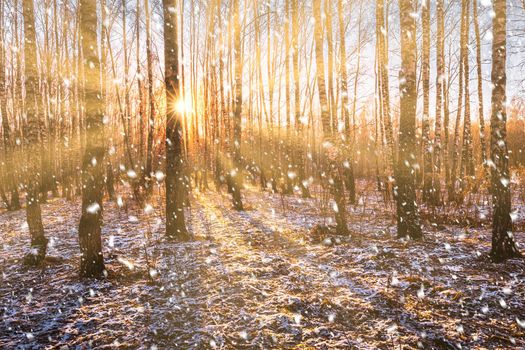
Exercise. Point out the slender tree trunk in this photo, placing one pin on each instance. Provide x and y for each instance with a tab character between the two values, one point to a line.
53	114
209	122
109	178
175	223
127	103
76	112
481	116
18	83
440	77
428	185
446	130
58	115
407	213
10	180
467	162
67	139
330	65
379	139
140	90
151	97
335	182
299	127
348	164
257	38
17	105
3	111
456	148
287	157
34	215
503	245
223	112
47	129
270	65
93	169
319	59
128	148
382	37
236	172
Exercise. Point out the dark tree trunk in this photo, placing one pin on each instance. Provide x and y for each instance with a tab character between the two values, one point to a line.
89	230
407	214
110	181
3	197
31	133
503	245
175	223
34	220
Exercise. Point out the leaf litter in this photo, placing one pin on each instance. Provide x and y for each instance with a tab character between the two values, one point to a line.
269	277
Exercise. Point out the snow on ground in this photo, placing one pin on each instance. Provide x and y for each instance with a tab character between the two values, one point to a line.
255	279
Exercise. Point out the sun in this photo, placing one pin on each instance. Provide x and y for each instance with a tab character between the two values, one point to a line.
184	106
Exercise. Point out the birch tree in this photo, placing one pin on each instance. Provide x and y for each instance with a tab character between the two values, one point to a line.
334	180
32	140
89	230
503	245
405	191
175	222
236	172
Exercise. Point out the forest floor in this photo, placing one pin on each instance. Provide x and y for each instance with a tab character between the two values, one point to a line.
258	279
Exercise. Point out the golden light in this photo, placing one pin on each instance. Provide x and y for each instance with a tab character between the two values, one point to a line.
184	106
